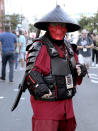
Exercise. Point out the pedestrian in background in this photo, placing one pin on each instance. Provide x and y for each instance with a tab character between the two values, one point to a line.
22	43
8	45
85	45
17	51
94	51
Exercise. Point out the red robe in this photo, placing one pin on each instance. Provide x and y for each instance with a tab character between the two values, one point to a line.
51	110
56	110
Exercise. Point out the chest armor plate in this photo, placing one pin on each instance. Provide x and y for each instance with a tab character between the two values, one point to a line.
60	66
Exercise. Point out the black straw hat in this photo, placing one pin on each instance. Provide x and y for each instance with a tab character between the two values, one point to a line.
57	15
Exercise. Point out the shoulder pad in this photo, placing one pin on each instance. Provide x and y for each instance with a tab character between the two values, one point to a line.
28	46
32	54
36	46
68	47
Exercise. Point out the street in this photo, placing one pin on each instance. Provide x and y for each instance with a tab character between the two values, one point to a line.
85	104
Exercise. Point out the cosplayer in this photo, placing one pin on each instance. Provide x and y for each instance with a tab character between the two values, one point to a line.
53	73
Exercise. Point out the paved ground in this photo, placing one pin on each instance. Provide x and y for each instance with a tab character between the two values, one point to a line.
85	105
20	119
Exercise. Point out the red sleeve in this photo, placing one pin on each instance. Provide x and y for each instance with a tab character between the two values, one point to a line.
76	57
42	63
27	57
79	79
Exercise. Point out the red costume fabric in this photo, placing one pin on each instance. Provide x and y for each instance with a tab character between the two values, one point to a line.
54	125
52	115
51	110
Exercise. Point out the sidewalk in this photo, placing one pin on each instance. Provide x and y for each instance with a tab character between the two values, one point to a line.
0	56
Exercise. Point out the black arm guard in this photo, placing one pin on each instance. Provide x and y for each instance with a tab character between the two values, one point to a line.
83	70
37	85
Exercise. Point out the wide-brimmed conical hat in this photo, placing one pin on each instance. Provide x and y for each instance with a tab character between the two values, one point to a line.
57	15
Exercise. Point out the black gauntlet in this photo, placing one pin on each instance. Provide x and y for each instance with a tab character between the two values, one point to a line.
37	85
83	70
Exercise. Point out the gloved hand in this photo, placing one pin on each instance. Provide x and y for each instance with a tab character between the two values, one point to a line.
37	86
38	90
81	70
41	90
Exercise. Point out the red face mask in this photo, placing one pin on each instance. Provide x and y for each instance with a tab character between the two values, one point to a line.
57	31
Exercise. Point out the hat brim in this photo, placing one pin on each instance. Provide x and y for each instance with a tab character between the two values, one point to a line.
44	26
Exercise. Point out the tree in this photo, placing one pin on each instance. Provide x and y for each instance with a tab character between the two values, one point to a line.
32	28
11	20
83	22
89	23
96	21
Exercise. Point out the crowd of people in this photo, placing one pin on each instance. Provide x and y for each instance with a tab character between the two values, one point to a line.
20	50
87	47
55	66
12	50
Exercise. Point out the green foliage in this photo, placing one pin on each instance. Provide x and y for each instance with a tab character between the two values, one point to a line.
89	23
11	20
32	28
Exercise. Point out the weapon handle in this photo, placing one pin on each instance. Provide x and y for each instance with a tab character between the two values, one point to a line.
22	87
17	98
38	33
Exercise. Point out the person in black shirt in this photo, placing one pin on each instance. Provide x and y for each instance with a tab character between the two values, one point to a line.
94	51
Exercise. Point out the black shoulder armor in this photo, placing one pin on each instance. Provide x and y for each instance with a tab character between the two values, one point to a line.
33	52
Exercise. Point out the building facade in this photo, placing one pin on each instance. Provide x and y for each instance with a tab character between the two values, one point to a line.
2	12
